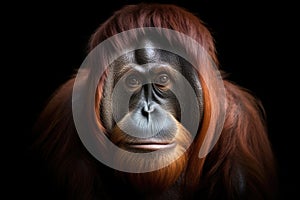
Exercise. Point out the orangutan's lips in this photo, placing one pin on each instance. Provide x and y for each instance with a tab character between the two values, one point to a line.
150	146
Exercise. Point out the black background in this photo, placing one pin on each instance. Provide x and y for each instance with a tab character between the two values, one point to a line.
46	42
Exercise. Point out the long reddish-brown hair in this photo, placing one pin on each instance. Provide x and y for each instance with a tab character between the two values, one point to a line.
242	159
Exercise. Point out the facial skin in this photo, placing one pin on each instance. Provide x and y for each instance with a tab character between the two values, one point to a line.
144	106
